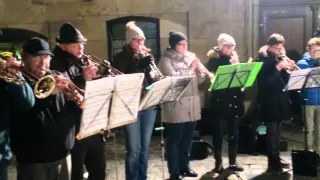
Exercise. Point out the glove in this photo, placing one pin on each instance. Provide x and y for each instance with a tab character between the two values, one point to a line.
145	62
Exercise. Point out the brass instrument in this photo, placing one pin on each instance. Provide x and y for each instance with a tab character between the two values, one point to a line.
101	64
155	74
203	68
45	86
5	75
287	68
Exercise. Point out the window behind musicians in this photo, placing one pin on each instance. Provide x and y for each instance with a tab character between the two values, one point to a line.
310	98
67	59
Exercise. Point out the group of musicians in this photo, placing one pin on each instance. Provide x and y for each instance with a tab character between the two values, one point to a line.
42	131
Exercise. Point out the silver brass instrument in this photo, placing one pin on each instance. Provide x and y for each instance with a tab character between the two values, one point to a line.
202	67
101	64
287	67
155	74
45	86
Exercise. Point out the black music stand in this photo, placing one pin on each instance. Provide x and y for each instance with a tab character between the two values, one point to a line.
304	162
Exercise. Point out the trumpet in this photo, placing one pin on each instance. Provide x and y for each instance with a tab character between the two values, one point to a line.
202	67
45	86
155	74
287	67
5	74
101	64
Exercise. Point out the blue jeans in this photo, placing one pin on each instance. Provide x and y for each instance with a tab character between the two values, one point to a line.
179	136
137	136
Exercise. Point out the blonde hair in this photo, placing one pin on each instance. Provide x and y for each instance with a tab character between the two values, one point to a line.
313	41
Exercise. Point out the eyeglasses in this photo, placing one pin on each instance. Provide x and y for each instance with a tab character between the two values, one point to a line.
314	50
138	39
182	44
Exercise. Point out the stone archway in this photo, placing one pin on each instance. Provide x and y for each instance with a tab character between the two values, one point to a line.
14	35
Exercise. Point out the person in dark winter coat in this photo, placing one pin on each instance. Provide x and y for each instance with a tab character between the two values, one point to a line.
274	103
67	59
227	105
138	134
41	130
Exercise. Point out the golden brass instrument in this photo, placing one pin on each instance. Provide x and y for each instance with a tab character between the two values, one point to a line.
101	64
45	86
5	74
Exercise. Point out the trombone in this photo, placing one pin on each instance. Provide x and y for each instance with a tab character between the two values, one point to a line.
104	63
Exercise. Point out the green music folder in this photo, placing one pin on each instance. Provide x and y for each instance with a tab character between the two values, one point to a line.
236	75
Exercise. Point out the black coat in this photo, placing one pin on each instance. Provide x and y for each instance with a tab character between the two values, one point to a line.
274	103
125	62
225	103
45	131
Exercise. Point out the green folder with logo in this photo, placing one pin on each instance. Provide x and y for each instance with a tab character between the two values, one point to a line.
236	75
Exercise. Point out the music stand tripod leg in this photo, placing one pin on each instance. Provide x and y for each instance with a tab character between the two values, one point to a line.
162	147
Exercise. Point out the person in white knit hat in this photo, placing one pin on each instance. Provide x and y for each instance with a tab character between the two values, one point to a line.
226	105
137	134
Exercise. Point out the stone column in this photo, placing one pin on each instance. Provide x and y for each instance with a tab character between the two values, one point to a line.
252	32
315	14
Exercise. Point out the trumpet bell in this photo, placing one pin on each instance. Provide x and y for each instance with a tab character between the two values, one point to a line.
44	87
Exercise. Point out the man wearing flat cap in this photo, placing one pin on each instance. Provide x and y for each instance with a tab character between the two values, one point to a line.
67	59
41	130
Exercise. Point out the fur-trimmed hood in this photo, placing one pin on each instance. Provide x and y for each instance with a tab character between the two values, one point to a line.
214	53
263	51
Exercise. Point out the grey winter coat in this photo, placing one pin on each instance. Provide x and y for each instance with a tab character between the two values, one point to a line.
188	107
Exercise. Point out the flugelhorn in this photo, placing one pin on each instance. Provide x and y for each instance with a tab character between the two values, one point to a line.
287	67
101	63
45	86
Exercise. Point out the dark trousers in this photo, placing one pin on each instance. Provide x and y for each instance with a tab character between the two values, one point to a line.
89	152
273	141
179	136
219	126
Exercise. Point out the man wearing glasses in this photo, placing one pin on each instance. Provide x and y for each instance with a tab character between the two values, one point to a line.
310	98
274	103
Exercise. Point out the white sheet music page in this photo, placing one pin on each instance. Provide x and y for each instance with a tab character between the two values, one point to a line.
179	85
314	78
126	99
297	79
156	92
96	110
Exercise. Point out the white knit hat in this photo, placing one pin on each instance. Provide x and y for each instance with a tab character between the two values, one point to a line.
133	31
224	39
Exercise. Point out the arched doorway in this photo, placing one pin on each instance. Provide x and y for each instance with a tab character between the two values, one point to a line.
13	39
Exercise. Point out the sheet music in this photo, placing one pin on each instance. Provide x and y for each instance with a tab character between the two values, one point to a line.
177	89
96	110
314	78
297	79
126	98
156	92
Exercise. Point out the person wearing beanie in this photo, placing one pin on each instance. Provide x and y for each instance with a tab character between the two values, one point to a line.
67	59
136	58
41	132
180	117
227	105
274	103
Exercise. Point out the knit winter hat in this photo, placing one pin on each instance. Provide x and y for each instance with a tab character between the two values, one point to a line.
175	38
225	39
133	31
69	34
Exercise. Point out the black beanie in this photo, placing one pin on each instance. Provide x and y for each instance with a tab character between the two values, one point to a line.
175	38
69	34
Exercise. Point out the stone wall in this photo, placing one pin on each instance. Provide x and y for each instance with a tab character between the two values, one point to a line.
201	20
